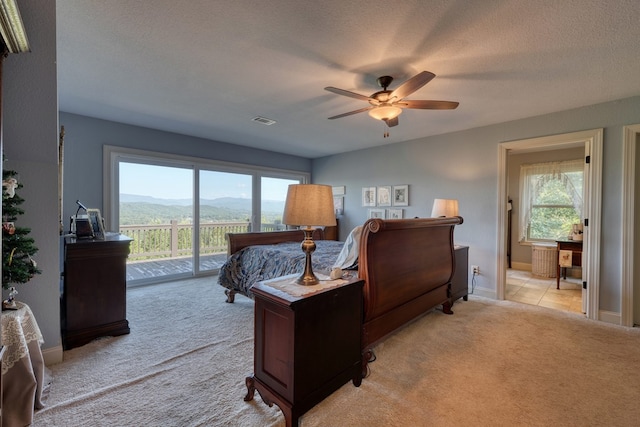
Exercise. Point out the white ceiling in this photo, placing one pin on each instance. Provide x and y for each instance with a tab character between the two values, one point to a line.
206	68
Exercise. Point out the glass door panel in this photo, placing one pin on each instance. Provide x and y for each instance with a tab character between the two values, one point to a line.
272	198
225	207
156	210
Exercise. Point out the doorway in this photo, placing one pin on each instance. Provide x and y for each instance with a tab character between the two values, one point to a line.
592	142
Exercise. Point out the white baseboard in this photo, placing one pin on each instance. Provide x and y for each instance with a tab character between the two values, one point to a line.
52	355
610	317
485	292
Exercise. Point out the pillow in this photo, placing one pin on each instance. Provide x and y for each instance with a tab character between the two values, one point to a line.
348	256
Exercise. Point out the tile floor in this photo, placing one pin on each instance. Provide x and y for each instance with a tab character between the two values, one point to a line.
526	288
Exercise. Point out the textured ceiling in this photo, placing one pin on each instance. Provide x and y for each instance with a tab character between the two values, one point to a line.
206	68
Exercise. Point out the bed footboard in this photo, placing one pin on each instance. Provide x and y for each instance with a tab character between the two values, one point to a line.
407	265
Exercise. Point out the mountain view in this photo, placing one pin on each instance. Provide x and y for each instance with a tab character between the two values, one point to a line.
136	210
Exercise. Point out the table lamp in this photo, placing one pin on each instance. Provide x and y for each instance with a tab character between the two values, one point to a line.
444	208
309	205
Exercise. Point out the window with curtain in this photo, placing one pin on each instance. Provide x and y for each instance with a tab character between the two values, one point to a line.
550	199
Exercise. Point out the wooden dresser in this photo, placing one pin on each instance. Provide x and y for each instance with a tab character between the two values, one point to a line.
93	302
306	347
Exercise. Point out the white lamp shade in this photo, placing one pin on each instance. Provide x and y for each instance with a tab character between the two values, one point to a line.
444	208
308	205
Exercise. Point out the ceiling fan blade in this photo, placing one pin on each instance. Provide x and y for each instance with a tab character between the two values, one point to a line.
428	105
412	85
347	93
392	122
352	112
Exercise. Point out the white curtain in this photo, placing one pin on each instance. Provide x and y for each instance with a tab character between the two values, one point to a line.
534	177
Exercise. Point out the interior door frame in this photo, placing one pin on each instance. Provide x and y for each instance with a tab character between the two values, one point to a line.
627	303
592	140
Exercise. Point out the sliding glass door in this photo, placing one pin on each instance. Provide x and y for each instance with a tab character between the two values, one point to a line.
178	209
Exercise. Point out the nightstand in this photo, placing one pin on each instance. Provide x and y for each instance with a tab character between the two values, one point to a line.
306	347
460	279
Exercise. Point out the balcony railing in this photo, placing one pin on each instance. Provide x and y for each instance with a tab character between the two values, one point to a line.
176	240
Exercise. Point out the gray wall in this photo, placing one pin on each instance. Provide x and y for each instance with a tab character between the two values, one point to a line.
521	253
86	136
30	138
464	165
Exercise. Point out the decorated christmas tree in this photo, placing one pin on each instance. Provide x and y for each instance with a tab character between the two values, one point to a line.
18	266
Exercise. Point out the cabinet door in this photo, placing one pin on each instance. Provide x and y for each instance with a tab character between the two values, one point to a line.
327	337
273	348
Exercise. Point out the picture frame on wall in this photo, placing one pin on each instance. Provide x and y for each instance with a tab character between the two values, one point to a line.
384	195
395	214
338	191
400	195
368	196
377	213
338	205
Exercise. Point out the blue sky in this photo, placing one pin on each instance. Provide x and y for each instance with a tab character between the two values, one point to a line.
175	183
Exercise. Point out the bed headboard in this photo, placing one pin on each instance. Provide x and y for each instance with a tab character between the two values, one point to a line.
402	259
238	241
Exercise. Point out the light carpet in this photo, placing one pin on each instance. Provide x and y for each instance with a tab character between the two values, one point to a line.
492	363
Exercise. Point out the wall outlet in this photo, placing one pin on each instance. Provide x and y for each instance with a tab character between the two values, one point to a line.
475	269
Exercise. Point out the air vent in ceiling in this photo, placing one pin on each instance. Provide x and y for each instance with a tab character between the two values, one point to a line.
263	120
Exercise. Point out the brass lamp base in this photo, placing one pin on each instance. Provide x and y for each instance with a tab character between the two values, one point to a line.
306	280
308	246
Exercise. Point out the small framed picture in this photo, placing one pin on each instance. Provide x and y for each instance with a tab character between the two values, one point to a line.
95	219
376	213
338	191
395	213
384	195
368	196
338	204
400	195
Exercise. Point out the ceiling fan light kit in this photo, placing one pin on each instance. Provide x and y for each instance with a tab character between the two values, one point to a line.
386	105
385	112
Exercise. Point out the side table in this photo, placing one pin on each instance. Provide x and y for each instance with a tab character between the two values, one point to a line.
22	366
575	246
460	279
306	346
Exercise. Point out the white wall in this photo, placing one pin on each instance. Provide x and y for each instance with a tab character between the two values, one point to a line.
463	165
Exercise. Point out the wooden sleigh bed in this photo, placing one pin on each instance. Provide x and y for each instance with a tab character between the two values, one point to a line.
406	264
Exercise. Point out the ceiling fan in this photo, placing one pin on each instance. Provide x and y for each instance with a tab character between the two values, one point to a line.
386	105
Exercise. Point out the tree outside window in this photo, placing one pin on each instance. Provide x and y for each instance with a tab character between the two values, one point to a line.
551	199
